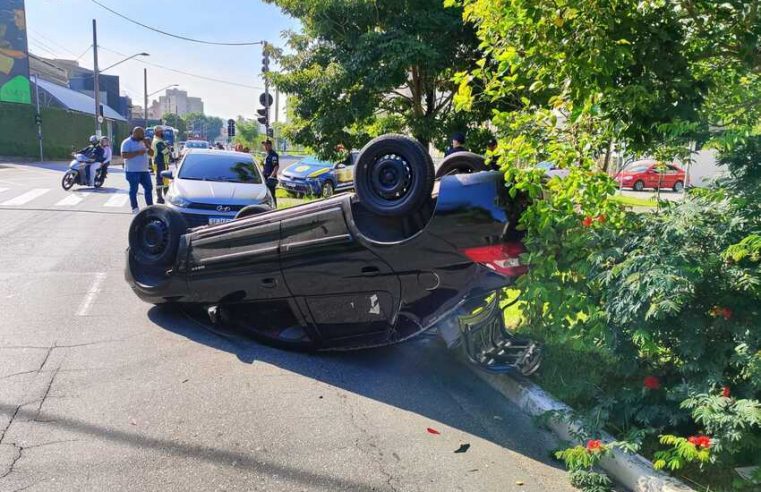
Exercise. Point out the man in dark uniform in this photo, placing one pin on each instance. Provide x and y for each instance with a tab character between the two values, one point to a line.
271	166
160	160
458	141
491	162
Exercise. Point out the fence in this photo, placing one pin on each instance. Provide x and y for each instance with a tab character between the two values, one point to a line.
62	131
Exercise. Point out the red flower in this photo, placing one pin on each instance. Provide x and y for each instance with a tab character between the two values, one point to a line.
700	441
587	222
725	392
651	382
601	219
594	445
724	312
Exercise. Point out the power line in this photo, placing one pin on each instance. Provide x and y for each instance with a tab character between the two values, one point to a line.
52	42
185	38
204	77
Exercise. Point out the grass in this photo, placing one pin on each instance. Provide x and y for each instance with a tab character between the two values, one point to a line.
286	201
634	201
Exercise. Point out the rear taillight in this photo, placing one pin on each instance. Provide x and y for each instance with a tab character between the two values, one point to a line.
502	258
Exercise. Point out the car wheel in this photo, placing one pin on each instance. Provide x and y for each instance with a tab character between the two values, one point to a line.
327	189
638	186
394	175
251	210
678	186
154	236
69	178
461	163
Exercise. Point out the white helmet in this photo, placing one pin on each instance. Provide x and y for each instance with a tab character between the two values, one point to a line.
94	139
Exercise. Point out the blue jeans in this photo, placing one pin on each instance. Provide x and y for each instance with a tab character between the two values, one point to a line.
139	178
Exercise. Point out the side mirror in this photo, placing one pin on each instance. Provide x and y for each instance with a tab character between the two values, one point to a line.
340	165
167	174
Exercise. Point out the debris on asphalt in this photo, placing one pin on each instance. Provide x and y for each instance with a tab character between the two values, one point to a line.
185	381
320	397
463	448
473	470
519	483
431	430
133	421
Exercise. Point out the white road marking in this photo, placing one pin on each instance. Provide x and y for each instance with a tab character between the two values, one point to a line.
118	200
4	189
71	200
89	299
26	197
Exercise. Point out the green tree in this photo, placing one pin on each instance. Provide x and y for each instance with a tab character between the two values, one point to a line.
206	127
247	133
361	66
177	122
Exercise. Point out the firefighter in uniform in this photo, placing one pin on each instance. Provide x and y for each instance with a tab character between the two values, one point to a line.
161	155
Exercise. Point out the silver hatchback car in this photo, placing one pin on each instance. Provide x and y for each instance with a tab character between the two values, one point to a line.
212	186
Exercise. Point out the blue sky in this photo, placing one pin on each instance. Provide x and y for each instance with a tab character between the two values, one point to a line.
63	28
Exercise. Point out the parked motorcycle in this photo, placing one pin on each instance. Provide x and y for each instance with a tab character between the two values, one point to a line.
76	173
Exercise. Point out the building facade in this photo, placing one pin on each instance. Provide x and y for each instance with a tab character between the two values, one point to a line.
175	101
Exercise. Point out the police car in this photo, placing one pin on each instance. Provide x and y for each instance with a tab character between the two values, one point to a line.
312	176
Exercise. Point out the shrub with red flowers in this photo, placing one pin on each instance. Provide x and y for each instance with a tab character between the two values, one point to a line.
651	383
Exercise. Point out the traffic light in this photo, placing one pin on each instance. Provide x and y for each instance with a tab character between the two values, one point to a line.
230	128
265	99
265	59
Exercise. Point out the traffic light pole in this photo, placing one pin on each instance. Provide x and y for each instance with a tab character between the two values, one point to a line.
266	91
96	77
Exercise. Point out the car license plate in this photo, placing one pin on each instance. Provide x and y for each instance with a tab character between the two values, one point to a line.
219	220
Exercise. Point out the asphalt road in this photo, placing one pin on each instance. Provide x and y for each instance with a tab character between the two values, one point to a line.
99	391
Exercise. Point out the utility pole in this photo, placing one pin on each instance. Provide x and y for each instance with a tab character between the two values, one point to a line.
277	104
145	88
38	116
96	82
265	70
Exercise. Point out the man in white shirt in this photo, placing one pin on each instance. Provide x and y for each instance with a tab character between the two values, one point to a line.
135	152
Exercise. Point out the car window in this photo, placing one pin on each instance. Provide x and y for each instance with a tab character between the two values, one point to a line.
210	167
314	161
638	169
196	145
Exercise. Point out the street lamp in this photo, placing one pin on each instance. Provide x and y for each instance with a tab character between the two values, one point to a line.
96	74
145	91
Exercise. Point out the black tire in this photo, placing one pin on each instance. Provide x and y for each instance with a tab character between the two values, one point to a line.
99	179
394	175
154	236
68	180
327	189
638	185
461	163
678	186
251	210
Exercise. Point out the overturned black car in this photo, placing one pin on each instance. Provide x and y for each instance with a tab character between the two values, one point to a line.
412	249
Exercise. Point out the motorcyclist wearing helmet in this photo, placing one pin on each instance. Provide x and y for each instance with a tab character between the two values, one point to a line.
105	146
94	152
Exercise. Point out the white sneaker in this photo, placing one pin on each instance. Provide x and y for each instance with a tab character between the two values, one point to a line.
135	211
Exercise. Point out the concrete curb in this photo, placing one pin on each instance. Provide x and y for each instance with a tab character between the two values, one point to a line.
630	470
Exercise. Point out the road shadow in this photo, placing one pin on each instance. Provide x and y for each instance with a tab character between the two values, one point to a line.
419	376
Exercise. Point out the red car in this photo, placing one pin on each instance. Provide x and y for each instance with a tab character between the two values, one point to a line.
651	174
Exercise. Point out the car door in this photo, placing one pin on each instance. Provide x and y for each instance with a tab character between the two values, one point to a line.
344	172
347	290
237	262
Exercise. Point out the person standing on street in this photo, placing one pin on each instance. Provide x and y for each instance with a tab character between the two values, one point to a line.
136	167
458	143
161	154
271	167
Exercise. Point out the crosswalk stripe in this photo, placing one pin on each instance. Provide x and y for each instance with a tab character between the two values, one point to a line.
116	201
26	197
4	189
71	200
